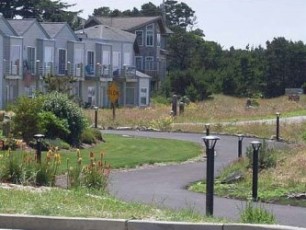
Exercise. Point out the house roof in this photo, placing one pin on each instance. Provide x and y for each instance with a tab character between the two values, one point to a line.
21	26
54	28
7	29
107	33
142	75
128	23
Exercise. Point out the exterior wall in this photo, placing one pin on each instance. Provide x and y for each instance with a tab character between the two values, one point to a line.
144	83
2	81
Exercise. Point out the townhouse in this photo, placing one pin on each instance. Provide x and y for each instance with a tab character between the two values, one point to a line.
133	57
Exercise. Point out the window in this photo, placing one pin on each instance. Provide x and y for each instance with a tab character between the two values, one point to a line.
143	96
139	37
15	59
48	58
138	63
116	60
149	35
149	63
61	61
78	61
130	96
158	40
29	65
89	68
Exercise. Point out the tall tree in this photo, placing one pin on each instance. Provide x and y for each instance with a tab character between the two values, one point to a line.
42	10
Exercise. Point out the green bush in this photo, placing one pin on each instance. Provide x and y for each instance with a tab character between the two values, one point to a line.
63	108
266	158
256	215
26	121
88	136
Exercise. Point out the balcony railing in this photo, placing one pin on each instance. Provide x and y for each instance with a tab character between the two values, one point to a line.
127	72
11	68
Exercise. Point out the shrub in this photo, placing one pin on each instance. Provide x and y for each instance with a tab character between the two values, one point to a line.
256	215
88	136
26	120
93	176
63	108
266	158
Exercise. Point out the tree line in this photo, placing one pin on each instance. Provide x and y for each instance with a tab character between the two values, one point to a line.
196	67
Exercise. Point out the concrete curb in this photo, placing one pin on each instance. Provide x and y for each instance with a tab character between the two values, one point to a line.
27	222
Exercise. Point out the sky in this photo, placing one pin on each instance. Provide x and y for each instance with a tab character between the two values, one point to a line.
234	23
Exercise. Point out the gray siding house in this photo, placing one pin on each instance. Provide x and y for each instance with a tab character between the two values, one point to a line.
35	39
151	34
110	57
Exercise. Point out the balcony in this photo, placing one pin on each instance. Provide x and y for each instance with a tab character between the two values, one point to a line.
11	69
127	73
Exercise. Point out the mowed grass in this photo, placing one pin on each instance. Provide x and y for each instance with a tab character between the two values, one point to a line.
87	203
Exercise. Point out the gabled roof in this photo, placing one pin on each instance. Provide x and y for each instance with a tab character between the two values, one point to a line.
21	26
8	29
54	28
107	33
128	23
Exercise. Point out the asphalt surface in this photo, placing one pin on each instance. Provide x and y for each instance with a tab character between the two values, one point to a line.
165	186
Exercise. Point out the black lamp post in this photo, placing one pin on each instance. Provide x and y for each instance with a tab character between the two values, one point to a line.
38	138
207	126
96	116
277	125
256	146
210	142
240	138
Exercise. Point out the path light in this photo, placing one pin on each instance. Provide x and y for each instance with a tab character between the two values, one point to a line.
277	125
210	142
207	126
256	146
96	116
240	138
38	138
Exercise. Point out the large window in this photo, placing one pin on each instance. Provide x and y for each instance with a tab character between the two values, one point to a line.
48	58
61	61
138	63
15	59
139	37
149	35
130	96
29	65
149	63
89	68
143	96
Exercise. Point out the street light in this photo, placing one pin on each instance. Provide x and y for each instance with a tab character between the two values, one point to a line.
210	142
240	138
277	125
96	116
207	126
256	146
38	138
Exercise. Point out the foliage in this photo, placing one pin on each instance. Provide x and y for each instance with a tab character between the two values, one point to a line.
93	176
53	126
26	170
256	215
26	121
63	108
45	10
162	123
63	84
88	136
266	158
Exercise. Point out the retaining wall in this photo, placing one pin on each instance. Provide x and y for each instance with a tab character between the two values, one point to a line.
25	222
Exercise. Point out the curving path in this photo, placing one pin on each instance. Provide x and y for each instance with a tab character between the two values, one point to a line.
164	186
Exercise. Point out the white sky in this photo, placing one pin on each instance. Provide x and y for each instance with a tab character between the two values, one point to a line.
229	22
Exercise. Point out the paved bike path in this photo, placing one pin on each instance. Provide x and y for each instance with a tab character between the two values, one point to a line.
164	186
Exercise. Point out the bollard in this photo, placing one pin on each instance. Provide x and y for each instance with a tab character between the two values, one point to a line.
277	125
240	138
210	142
174	105
38	138
256	146
96	117
181	107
